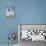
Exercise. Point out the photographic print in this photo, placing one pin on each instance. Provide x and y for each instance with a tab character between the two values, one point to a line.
28	34
10	11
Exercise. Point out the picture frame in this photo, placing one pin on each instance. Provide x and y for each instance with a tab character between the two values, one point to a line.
10	12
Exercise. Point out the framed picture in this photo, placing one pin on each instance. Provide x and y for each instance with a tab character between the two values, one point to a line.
33	32
10	11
